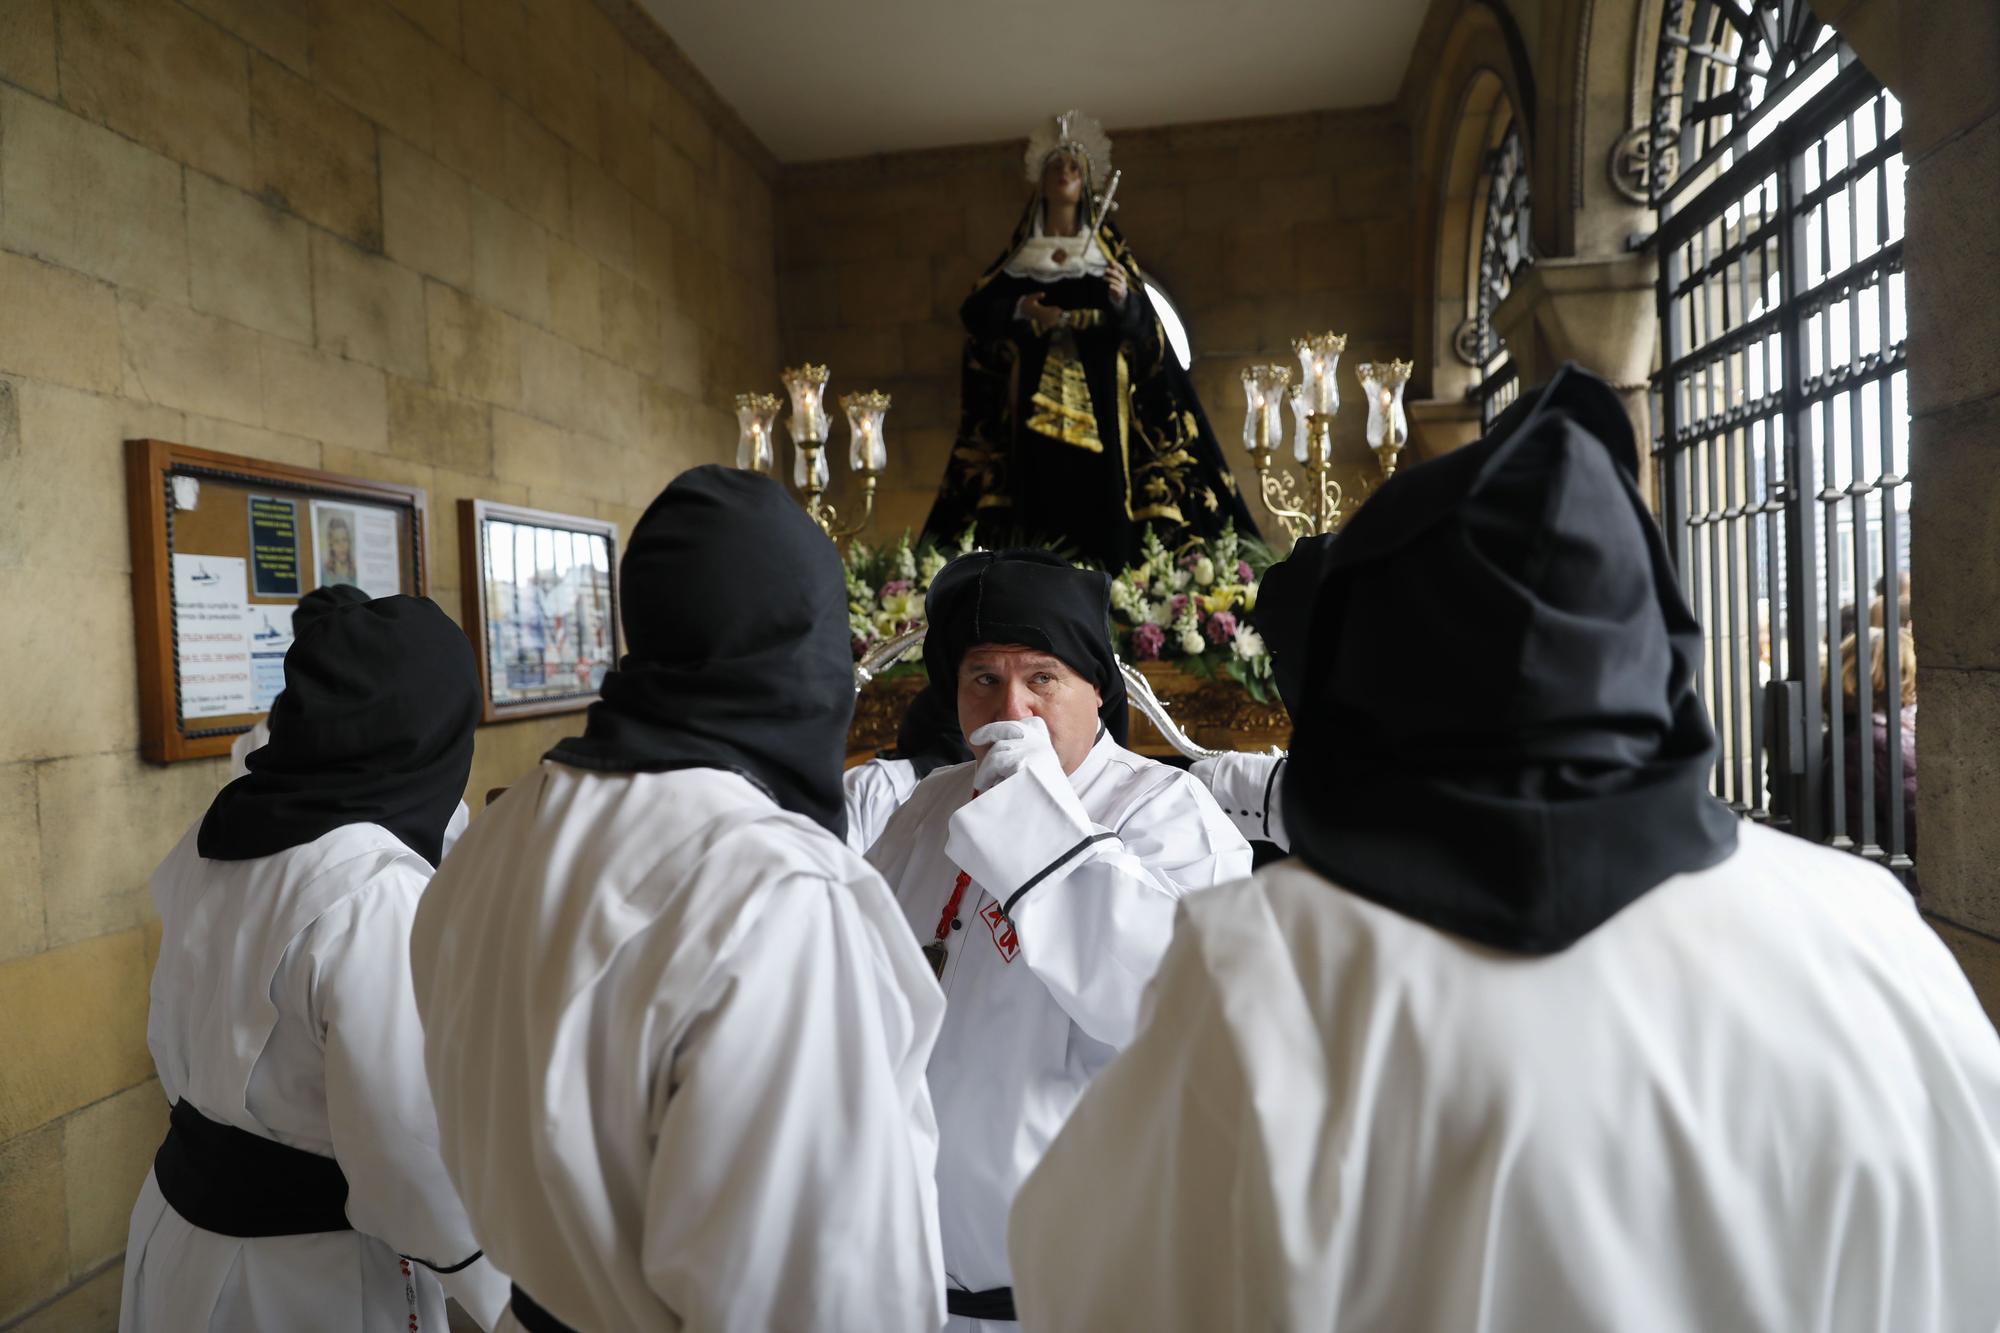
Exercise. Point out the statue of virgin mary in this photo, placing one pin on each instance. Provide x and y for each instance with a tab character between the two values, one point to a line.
1077	425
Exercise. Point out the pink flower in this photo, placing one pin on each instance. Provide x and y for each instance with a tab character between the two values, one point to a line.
1148	641
1221	627
1243	571
895	588
1179	604
860	646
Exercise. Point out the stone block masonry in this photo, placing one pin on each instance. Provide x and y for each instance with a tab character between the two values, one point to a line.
376	237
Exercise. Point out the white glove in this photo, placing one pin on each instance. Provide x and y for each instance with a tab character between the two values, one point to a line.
1015	745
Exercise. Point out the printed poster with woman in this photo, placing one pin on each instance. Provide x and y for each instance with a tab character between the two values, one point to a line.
357	545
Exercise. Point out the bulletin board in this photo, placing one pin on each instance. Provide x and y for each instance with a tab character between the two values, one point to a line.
223	547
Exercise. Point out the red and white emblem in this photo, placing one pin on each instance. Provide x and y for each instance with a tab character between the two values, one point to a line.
1004	938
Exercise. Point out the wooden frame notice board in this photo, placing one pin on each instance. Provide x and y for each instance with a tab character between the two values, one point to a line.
223	547
541	606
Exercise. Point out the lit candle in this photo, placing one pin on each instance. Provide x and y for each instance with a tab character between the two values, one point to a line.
868	451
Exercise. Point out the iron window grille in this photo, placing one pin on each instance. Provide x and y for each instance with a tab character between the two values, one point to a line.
1782	458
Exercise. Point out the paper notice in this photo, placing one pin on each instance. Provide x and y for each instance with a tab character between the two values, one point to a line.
212	635
357	545
270	637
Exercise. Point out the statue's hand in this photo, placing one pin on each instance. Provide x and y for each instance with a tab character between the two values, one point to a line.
1042	315
1119	283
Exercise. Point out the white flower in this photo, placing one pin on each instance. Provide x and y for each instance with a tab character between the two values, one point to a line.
1191	643
933	561
1160	613
1248	644
1180	579
1204	571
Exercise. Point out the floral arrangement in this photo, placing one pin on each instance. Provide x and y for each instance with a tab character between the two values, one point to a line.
1188	606
886	587
1185	606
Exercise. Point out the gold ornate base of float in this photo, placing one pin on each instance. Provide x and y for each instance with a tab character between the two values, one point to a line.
1219	714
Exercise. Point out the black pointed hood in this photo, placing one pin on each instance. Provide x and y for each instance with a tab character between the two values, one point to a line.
1501	736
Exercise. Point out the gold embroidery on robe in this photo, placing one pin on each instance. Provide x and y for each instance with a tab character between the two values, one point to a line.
1061	408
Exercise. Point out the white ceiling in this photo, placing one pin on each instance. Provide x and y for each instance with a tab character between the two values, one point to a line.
816	80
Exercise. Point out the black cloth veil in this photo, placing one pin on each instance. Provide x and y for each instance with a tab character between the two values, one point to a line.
1032	598
374	726
735	612
322	600
1285	599
1501	736
929	737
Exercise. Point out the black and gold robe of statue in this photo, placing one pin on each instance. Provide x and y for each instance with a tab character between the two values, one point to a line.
1081	436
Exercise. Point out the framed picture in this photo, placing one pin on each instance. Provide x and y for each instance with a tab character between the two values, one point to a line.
223	547
541	606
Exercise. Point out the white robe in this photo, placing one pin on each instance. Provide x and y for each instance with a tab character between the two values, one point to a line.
874	790
677	1038
281	1005
1250	788
1762	1097
1034	1009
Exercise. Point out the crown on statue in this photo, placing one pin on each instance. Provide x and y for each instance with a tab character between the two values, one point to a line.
1074	133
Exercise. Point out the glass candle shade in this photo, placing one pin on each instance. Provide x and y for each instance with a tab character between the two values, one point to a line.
809	468
1382	382
1319	359
1301	424
756	420
1263	407
807	386
867	451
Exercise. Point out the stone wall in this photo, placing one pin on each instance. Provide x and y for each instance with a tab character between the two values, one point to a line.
1949	50
508	258
1258	230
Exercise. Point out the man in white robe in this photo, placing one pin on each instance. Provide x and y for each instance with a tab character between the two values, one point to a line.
300	1187
927	740
1533	1034
1041	879
676	1030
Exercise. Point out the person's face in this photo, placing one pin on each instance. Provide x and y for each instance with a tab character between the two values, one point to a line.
998	683
339	541
1062	179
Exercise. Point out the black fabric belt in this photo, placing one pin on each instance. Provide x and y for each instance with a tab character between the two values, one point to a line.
533	1317
235	1183
994	1303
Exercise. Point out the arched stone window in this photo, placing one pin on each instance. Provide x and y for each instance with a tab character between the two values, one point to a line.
1504	248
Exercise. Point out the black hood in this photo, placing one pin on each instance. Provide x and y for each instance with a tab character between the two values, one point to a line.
735	612
1501	736
1032	598
374	726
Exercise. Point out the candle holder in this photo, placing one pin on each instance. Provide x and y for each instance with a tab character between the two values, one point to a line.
867	454
1264	393
756	422
1315	508
1388	427
808	426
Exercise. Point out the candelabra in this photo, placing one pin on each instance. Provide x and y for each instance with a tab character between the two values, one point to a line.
1315	401
867	455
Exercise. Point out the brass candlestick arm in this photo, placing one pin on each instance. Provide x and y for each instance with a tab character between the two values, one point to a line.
828	517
